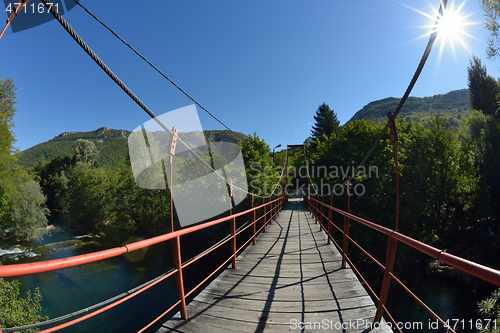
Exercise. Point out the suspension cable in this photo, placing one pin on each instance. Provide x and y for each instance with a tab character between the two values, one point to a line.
427	51
150	64
120	83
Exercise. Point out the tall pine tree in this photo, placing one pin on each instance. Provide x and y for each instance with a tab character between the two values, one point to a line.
483	89
326	123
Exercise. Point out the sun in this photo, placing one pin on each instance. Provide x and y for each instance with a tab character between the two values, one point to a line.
451	25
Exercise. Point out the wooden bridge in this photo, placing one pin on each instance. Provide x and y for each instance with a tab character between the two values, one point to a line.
291	280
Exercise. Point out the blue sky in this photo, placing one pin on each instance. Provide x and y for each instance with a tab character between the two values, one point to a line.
259	66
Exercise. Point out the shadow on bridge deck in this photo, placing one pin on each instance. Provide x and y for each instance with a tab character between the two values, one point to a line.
291	281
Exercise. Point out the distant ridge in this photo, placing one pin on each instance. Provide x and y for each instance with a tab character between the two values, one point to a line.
111	143
451	107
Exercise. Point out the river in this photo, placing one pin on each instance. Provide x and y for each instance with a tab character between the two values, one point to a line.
76	288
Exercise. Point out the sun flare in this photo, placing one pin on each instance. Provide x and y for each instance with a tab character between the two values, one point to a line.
451	27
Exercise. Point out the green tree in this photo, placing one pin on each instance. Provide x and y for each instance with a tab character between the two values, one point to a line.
479	139
7	111
483	89
49	174
260	172
441	175
148	210
16	310
326	123
28	210
89	195
9	170
491	10
85	151
489	308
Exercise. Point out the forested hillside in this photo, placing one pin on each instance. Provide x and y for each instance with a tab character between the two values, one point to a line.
451	107
111	144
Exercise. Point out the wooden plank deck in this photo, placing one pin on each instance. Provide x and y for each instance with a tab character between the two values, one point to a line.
291	281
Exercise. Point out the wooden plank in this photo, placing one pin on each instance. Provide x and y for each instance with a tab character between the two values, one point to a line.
290	281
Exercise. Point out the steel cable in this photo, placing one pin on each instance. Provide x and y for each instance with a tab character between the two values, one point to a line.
420	67
146	60
427	51
122	85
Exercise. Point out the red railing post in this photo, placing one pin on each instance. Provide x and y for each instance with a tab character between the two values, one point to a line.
253	222
176	242
330	219
233	241
264	216
271	209
345	243
275	207
321	214
230	197
316	209
392	242
308	200
179	281
386	282
173	144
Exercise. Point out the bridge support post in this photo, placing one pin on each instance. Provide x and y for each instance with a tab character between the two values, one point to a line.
179	281
330	219
345	240
392	243
253	223
321	214
316	209
265	215
233	242
386	282
271	209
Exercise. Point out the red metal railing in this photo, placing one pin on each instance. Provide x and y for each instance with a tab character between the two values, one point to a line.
317	207
270	210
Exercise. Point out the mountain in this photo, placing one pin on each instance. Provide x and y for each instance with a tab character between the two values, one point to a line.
451	106
111	143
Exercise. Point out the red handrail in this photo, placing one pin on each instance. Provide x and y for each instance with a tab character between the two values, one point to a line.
275	205
55	264
485	273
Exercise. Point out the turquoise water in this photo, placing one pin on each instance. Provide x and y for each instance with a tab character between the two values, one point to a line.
76	288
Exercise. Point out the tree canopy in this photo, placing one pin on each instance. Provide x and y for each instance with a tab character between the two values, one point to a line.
326	123
483	89
491	10
85	151
16	310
